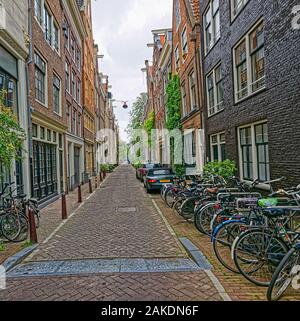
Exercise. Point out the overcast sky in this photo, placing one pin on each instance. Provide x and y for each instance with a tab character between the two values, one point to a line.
122	29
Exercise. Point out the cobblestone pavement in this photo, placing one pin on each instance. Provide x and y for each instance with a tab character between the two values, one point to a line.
236	286
117	221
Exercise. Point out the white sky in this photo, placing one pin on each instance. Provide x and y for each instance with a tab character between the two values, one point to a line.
122	29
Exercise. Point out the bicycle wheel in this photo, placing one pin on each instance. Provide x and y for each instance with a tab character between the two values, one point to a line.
177	206
204	217
187	208
223	241
11	226
283	275
24	231
169	197
257	253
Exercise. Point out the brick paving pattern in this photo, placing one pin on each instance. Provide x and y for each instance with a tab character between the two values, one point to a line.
119	220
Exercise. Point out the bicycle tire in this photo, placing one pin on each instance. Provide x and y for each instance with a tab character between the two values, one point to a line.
289	261
10	226
203	218
222	244
264	267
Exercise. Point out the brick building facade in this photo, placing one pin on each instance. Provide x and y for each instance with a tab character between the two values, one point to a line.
186	63
251	71
47	87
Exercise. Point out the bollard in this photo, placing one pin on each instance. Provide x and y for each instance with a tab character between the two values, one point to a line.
96	182
79	194
64	207
101	178
90	186
32	226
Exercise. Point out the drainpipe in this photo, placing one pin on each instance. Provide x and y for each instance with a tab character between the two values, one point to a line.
29	111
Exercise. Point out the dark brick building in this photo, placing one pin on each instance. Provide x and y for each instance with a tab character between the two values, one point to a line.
251	69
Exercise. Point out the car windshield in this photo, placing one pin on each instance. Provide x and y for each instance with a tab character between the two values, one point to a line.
162	172
150	166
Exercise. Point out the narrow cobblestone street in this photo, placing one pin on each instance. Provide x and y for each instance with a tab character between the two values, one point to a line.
115	247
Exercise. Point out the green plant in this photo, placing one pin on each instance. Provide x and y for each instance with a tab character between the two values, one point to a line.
225	169
27	244
179	170
12	136
104	168
149	125
137	165
174	104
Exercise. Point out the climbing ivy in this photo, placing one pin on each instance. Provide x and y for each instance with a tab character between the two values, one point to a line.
173	104
149	125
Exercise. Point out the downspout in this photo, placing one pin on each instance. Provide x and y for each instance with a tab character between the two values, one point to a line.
29	109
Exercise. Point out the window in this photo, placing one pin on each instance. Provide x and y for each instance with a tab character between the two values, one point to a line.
34	130
217	147
38	10
249	60
177	57
42	133
47	25
67	66
183	97
215	91
177	14
78	58
211	25
193	99
8	88
236	7
56	95
190	149
66	30
79	125
254	152
74	120
184	42
79	91
73	50
69	121
73	84
56	37
40	79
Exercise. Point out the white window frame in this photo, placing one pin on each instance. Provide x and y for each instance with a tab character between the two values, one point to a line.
219	143
236	10
183	99
193	101
189	158
254	154
177	14
218	106
184	43
53	24
250	82
215	35
45	104
177	57
60	95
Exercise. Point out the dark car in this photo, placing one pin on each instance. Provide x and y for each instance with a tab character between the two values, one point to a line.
156	178
142	171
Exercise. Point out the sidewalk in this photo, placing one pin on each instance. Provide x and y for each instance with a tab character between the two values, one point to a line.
51	218
116	247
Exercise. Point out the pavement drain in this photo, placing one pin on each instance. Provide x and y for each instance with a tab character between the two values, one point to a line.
57	268
126	209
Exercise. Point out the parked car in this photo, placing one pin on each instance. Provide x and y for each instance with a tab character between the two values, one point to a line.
142	171
156	178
